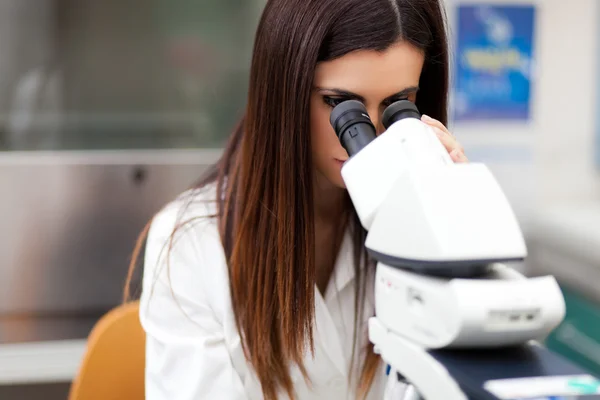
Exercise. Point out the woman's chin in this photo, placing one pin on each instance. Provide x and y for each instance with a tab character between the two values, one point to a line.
338	182
341	186
329	179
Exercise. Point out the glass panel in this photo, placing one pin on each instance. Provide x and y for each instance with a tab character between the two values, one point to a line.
123	74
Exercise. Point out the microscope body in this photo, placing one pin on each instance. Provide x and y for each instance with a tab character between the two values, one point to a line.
443	235
440	232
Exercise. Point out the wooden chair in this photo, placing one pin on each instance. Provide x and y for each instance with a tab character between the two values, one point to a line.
113	365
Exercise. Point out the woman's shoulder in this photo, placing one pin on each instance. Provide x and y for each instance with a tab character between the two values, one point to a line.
189	223
184	237
194	207
190	220
185	290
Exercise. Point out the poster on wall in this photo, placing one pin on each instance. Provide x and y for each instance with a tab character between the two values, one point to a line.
494	62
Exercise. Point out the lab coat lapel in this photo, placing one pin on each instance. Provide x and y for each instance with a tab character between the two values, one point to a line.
327	332
343	271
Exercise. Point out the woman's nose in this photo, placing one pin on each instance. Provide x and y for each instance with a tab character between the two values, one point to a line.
375	116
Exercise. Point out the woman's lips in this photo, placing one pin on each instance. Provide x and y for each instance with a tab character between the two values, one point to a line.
340	162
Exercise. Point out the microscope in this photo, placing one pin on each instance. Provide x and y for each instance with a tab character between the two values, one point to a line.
452	319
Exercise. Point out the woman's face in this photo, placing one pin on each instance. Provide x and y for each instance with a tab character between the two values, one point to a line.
377	79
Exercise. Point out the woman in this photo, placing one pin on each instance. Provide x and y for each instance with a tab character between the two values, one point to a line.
256	284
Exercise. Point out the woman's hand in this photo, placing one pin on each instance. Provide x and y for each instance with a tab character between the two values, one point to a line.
457	152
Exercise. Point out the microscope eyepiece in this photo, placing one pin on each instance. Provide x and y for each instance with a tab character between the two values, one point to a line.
398	111
352	125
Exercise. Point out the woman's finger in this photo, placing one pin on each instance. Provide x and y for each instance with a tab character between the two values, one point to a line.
452	146
435	123
458	156
449	141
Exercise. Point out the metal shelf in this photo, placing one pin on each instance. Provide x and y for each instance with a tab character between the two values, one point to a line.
40	362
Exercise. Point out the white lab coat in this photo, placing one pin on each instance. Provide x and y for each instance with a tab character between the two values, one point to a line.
193	348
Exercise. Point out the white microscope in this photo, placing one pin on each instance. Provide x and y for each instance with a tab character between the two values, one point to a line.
452	320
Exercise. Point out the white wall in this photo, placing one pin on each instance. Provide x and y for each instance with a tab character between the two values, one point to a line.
551	159
566	101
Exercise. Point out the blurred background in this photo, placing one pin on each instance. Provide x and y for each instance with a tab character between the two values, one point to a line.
110	108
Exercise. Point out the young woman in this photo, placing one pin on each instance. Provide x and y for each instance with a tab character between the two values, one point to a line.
256	284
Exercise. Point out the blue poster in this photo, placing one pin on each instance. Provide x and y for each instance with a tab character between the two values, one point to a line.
494	56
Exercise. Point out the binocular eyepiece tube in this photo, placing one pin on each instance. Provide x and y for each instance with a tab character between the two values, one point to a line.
354	127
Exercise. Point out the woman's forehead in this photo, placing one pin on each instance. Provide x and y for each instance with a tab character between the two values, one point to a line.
370	72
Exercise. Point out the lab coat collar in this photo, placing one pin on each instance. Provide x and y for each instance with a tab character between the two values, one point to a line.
343	274
328	335
343	270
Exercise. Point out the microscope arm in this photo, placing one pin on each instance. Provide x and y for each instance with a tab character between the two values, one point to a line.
415	364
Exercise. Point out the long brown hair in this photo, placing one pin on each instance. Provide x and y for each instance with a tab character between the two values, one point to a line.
264	179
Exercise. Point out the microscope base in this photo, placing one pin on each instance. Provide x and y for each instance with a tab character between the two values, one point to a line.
526	372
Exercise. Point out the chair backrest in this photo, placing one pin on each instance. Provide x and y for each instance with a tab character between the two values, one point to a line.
113	365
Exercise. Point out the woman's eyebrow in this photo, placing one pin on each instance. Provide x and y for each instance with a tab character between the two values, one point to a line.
345	93
341	92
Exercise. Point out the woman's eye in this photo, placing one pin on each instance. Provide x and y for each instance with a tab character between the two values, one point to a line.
333	101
